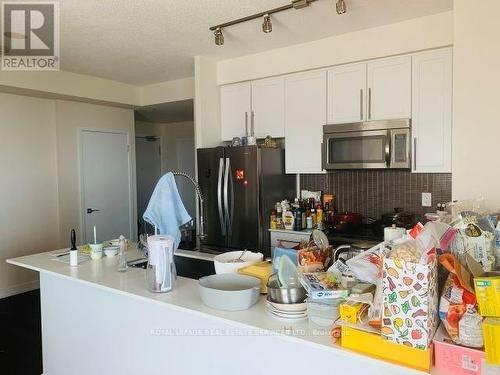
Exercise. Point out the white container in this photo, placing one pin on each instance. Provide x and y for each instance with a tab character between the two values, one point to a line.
323	313
111	251
222	266
231	292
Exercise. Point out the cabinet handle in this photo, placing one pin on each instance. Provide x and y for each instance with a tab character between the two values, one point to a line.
252	124
361	104
246	124
414	154
369	103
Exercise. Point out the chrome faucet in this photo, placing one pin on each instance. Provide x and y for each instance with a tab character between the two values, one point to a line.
201	232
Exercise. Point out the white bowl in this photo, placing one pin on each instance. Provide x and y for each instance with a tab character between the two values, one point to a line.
111	251
231	292
222	265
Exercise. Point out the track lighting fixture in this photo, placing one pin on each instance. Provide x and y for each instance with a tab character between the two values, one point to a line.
267	25
219	37
341	7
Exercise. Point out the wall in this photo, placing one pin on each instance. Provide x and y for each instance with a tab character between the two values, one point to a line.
169	134
373	193
70	118
398	38
476	127
79	87
29	215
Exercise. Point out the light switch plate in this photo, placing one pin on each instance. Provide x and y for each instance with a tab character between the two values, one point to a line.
426	199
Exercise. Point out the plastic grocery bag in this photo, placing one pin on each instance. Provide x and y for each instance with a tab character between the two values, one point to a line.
457	294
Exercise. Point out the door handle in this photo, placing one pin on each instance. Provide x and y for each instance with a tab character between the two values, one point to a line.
219	197
369	103
226	198
246	124
90	210
361	104
252	125
388	148
415	153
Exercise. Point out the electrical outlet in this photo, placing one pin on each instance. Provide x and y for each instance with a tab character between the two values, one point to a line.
426	199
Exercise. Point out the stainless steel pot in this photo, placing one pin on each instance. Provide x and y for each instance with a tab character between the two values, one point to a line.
285	295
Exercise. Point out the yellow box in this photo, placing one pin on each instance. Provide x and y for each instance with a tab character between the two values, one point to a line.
491	332
261	270
488	295
375	346
349	311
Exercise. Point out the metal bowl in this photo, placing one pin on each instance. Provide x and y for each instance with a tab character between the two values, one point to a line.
285	295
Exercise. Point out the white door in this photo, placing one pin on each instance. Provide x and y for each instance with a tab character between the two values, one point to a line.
432	111
105	185
347	94
305	115
235	101
185	163
268	107
148	171
389	88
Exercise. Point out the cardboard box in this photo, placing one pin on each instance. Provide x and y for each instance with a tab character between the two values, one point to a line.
452	359
375	346
491	333
410	302
487	287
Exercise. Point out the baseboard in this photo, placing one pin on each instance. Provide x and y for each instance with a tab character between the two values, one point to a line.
19	288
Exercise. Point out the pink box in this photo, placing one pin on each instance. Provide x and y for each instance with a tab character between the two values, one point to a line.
451	359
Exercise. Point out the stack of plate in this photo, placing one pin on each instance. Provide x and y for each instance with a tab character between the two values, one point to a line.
288	311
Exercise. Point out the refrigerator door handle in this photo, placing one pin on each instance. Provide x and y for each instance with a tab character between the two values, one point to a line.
226	198
222	220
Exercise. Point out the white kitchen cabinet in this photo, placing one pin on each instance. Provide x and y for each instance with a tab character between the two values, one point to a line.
389	88
305	115
347	94
268	107
236	109
432	76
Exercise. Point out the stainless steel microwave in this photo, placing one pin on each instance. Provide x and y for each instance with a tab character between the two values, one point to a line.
367	145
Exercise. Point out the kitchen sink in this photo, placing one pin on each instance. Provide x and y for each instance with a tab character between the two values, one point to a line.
186	267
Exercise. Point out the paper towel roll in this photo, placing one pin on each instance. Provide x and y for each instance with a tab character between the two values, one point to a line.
393	233
161	258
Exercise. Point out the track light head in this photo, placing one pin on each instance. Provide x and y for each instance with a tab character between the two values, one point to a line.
341	7
219	37
267	25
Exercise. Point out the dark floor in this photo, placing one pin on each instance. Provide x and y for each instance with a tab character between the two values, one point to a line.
20	334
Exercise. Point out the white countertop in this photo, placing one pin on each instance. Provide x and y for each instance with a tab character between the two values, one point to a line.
102	274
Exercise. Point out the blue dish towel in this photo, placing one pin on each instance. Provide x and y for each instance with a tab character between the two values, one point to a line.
165	209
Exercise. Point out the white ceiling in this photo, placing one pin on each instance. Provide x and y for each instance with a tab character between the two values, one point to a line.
167	112
147	41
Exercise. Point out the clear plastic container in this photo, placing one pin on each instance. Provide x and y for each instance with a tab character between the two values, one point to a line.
323	313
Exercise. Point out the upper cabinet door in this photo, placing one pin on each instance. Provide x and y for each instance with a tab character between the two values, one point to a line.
389	88
305	115
347	94
432	75
235	102
268	107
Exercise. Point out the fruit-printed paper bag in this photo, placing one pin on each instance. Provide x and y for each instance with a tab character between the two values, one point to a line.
410	314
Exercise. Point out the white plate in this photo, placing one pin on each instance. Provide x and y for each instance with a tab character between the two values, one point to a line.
289	313
287	306
288	318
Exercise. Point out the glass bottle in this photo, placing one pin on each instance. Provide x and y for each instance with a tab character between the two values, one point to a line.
122	254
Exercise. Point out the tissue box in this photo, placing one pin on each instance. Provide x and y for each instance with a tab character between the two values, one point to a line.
451	359
410	303
491	333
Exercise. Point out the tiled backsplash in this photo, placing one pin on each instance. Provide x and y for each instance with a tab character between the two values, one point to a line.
372	193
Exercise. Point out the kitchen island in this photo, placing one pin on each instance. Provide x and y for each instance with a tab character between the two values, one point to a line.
96	320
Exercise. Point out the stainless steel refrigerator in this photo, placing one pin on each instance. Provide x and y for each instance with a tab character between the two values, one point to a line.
240	186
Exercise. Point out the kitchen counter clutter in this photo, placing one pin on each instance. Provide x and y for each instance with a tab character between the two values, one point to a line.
375	312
